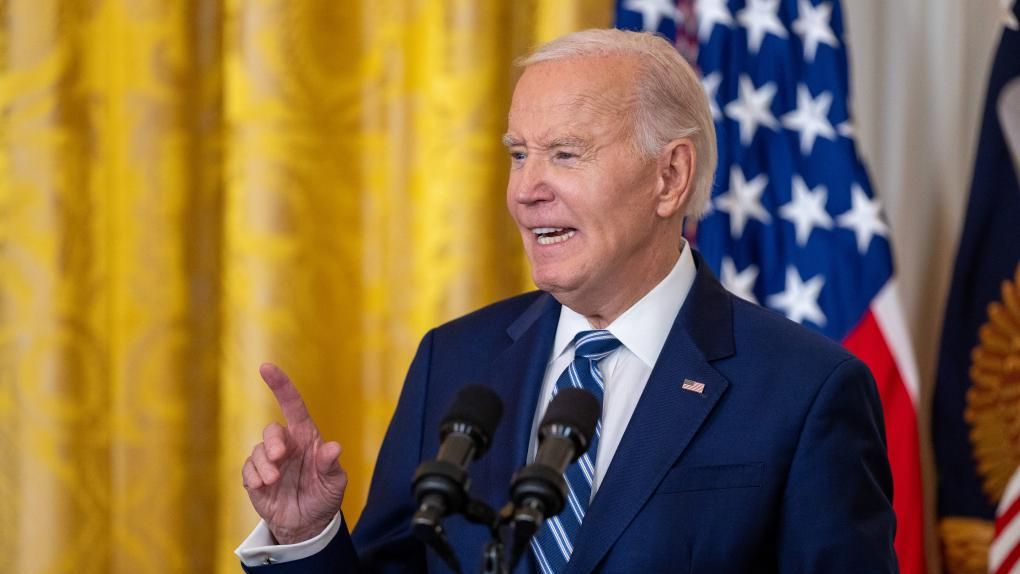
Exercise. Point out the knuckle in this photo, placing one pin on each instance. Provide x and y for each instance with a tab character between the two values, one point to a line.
276	449
260	460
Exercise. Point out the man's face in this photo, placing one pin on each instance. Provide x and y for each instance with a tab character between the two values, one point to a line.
584	199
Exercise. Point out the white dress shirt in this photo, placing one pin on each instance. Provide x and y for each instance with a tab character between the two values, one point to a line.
642	329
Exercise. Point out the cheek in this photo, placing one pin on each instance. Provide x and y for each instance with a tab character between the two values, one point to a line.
626	223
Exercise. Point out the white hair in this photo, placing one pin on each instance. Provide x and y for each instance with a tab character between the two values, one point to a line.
671	102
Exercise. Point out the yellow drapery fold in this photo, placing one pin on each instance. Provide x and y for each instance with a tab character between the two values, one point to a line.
190	187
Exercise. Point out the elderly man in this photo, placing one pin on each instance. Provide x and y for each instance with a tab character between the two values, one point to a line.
731	439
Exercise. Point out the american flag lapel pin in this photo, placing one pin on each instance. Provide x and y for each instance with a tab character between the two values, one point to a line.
693	386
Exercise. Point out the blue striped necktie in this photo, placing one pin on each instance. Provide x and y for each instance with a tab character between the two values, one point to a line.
554	543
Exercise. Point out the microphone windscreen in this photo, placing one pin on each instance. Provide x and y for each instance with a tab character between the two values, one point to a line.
576	408
478	406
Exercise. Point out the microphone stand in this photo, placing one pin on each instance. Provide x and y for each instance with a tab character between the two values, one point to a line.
505	528
512	527
475	511
478	512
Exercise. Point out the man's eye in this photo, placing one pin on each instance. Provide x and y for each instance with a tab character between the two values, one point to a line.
517	155
565	155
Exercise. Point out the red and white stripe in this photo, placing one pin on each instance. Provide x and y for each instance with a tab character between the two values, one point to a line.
881	340
1004	553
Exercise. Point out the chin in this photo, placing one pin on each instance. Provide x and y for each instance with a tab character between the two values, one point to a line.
550	281
543	281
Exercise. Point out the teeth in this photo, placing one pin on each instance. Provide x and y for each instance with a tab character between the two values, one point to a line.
541	230
555	238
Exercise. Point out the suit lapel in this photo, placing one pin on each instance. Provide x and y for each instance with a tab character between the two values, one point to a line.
516	375
665	420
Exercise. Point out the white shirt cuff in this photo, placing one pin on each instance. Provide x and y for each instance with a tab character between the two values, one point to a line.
260	549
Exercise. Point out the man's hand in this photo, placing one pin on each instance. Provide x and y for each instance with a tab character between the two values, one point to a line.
293	479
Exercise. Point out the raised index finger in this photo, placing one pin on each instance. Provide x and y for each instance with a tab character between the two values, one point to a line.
287	395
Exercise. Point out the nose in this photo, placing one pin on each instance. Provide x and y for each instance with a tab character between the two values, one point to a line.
529	184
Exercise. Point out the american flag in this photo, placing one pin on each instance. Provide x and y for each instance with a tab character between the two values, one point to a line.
793	223
1004	554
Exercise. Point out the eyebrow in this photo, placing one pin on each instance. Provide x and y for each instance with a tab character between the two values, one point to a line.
565	141
568	141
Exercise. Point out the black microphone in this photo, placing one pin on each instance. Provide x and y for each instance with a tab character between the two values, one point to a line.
539	491
440	486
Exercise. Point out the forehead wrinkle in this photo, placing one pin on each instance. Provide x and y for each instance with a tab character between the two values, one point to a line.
615	105
616	108
611	106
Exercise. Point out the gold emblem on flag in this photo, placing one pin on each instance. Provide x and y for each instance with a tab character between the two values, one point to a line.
965	543
993	401
993	413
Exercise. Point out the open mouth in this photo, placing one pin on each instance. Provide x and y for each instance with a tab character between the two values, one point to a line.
551	235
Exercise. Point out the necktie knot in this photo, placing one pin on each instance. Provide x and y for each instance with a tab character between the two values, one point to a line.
595	345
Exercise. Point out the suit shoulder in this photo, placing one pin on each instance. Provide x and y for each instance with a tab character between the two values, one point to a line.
772	333
779	365
495	317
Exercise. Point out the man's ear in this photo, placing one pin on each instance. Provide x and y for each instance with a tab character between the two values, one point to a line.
676	164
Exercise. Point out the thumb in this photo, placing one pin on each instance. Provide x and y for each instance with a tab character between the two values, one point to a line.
326	458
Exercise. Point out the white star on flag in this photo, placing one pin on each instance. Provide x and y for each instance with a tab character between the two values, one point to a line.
810	118
812	25
751	108
709	13
711	85
743	201
799	301
760	17
740	284
806	210
652	11
864	218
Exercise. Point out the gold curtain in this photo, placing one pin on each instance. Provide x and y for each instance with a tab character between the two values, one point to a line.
191	187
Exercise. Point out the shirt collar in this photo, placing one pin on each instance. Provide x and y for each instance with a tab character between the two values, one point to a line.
643	327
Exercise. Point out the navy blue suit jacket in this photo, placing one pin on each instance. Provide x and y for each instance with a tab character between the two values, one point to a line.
778	466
